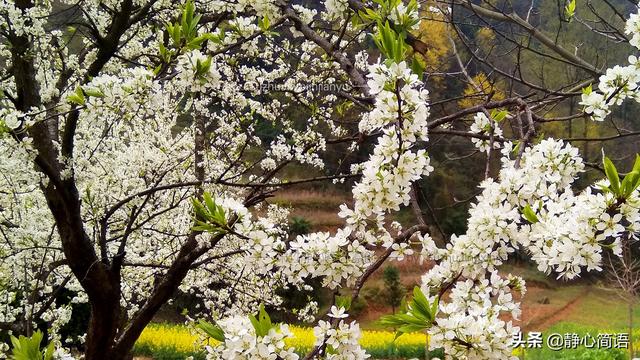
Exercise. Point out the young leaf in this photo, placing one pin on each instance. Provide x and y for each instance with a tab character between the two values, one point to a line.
419	317
417	66
213	330
25	348
343	302
48	352
265	320
77	97
570	9
529	214
636	165
210	216
264	24
612	175
256	325
420	305
498	116
93	91
262	324
630	183
175	32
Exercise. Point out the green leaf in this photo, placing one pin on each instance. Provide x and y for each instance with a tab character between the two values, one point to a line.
369	15
203	67
630	183
157	69
421	305
434	307
262	324
256	325
265	320
343	302
174	32
570	9
410	328
25	348
417	66
587	90
77	97
391	320
213	330
48	353
210	217
529	214
636	165
498	116
264	24
419	317
164	53
612	175
390	43
196	43
188	24
93	91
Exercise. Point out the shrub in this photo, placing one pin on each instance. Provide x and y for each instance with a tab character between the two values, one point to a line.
371	293
358	306
299	226
393	290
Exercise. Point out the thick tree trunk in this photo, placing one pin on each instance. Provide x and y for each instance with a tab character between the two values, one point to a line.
96	277
102	332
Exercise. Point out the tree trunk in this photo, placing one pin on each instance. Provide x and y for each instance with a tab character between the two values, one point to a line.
96	276
102	332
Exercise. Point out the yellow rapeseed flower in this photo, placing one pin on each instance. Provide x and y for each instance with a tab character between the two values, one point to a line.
184	339
177	337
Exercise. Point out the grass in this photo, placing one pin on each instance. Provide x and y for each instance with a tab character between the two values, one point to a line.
581	353
311	200
603	308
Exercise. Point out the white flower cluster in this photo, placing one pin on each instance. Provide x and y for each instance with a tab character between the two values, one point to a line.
242	343
401	113
569	233
483	125
402	15
470	326
633	28
12	119
335	9
341	340
334	258
188	72
30	21
21	245
618	83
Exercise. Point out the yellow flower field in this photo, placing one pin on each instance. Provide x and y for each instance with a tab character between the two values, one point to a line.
304	339
183	339
180	338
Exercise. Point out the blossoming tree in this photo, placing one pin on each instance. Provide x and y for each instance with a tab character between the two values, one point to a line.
132	167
